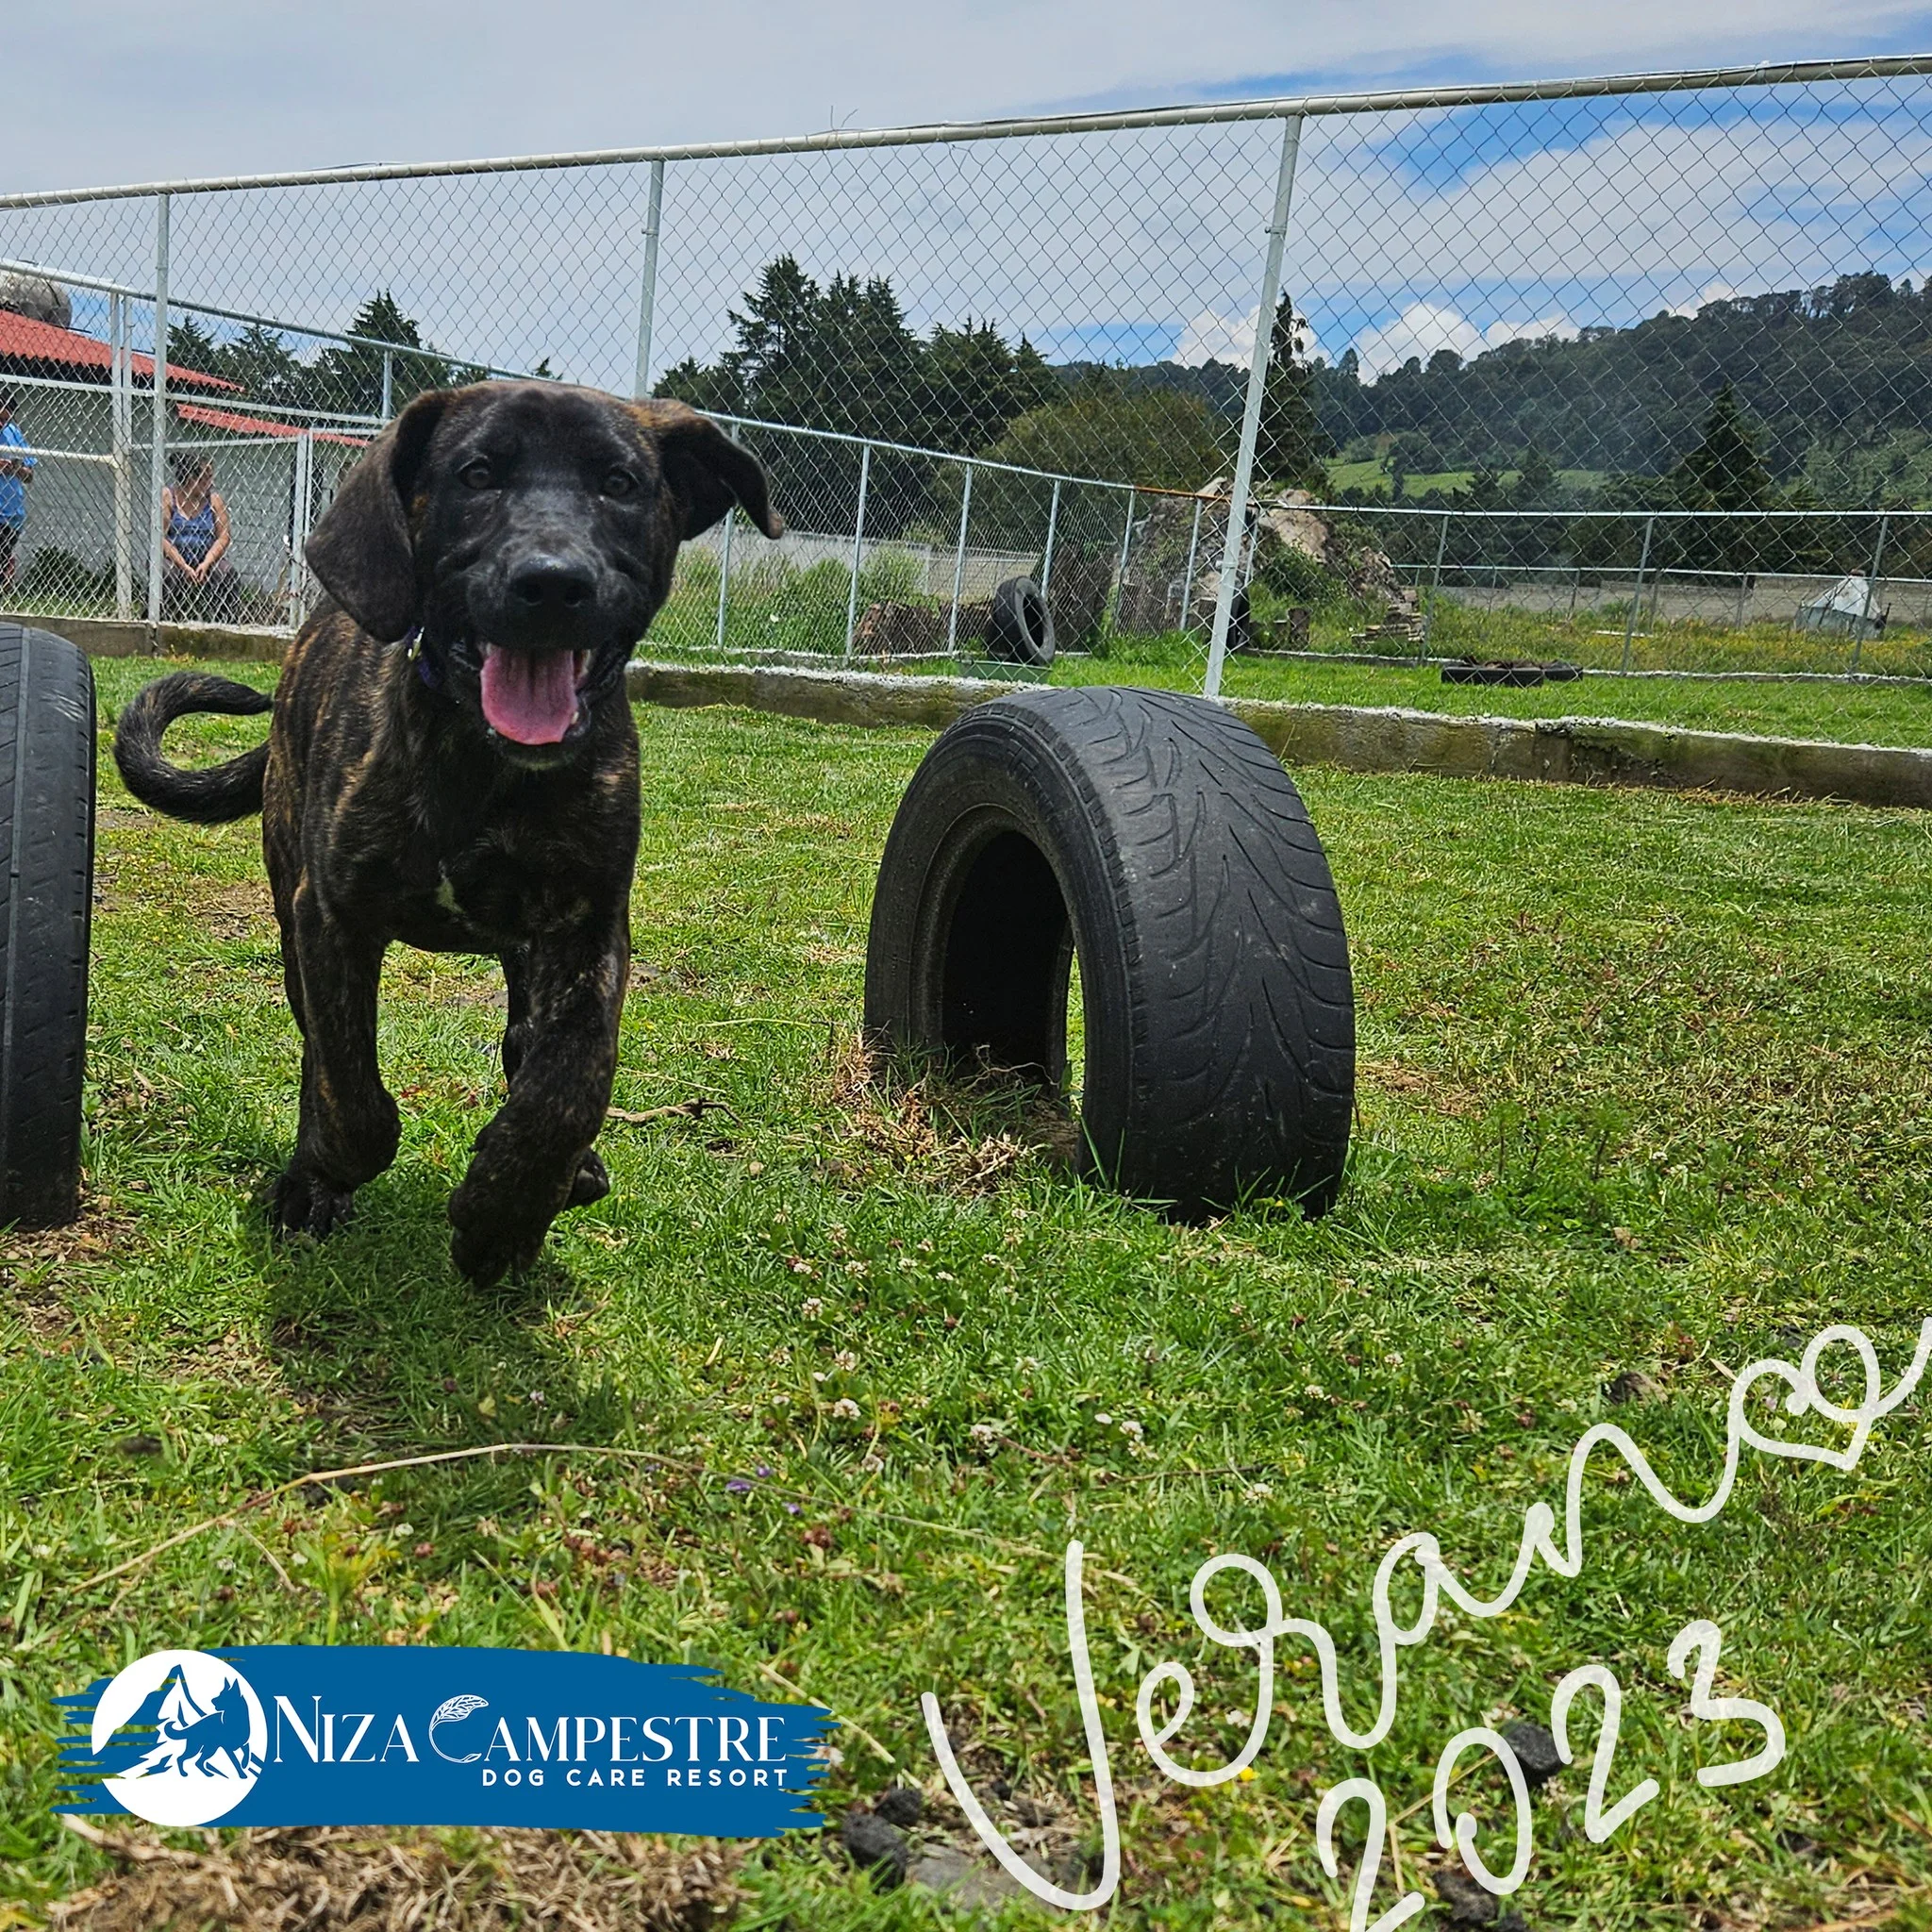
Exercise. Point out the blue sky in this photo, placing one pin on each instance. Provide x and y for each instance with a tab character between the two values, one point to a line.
104	90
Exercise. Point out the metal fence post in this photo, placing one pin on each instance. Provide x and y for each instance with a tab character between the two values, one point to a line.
647	291
1053	520
121	434
303	494
1250	416
725	573
1120	573
1188	580
1435	590
1637	594
960	563
158	471
388	384
1870	591
858	547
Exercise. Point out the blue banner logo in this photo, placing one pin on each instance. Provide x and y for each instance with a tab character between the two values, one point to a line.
299	1734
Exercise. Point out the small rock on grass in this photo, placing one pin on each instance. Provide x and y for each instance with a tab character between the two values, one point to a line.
1632	1385
1468	1903
877	1845
1535	1749
962	1878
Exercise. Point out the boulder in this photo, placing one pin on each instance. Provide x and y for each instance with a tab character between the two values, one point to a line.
1290	532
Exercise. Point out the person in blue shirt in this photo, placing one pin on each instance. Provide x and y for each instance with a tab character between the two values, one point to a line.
16	472
197	581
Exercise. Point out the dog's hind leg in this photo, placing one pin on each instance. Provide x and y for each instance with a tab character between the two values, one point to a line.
349	1126
561	1056
593	1181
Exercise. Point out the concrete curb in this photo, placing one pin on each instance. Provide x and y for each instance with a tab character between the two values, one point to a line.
1557	751
134	637
1356	738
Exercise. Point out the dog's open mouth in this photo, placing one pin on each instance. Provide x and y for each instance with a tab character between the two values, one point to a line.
530	697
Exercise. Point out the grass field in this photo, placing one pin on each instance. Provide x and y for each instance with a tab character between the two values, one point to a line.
1645	1090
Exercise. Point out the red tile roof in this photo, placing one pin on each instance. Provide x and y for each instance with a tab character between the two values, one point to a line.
23	339
259	425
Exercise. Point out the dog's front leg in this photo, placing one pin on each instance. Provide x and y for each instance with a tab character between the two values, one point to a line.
561	1057
349	1126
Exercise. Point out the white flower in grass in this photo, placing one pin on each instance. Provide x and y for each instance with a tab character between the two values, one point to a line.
871	1464
1105	1420
1130	1427
846	1360
985	1434
845	1410
812	1308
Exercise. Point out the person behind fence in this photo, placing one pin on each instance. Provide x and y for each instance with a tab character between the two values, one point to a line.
196	581
16	472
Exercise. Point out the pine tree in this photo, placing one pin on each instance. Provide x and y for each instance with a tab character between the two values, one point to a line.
1292	442
192	346
1724	472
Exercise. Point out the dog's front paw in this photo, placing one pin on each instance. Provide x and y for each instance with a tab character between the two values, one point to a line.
304	1203
485	1247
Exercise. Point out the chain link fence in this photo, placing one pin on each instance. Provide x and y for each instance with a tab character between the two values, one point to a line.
1633	373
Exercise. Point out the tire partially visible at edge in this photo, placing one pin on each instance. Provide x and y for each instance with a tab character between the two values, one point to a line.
1159	835
46	903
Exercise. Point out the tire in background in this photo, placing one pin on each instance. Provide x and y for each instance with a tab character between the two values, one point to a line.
47	903
1159	839
1019	626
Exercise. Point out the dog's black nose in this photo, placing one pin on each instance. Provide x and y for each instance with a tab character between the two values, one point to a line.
552	583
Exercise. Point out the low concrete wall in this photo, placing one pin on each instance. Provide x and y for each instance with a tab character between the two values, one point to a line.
134	637
1558	751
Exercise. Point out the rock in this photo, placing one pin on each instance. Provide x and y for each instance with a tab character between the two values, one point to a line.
36	297
903	1805
1535	1749
1632	1385
1285	523
1466	1901
877	1845
962	1879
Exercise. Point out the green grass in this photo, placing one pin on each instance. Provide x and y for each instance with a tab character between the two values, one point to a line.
1372	473
1645	1084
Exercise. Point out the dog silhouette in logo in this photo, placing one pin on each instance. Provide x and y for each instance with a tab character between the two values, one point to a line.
224	1727
188	1739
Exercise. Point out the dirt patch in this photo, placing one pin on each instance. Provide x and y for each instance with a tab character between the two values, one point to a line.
1417	1086
339	1879
963	1136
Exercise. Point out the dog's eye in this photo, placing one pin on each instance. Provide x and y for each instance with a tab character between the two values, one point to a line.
476	475
618	483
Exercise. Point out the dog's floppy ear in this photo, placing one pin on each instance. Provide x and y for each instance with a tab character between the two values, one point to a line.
361	550
706	471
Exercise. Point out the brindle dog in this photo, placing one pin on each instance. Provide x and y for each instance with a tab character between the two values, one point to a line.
453	763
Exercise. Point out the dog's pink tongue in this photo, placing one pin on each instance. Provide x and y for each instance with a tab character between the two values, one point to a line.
530	697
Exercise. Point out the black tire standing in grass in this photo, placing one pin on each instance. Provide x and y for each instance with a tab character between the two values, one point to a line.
1159	839
1019	626
46	903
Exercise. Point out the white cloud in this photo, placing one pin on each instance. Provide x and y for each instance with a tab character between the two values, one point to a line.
1423	329
1711	292
109	90
1210	338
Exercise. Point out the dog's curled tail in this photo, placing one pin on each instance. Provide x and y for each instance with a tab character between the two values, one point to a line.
210	797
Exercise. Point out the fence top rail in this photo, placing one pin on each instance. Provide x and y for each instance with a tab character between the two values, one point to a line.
1764	73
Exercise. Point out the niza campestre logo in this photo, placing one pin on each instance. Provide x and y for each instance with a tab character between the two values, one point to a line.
289	1734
